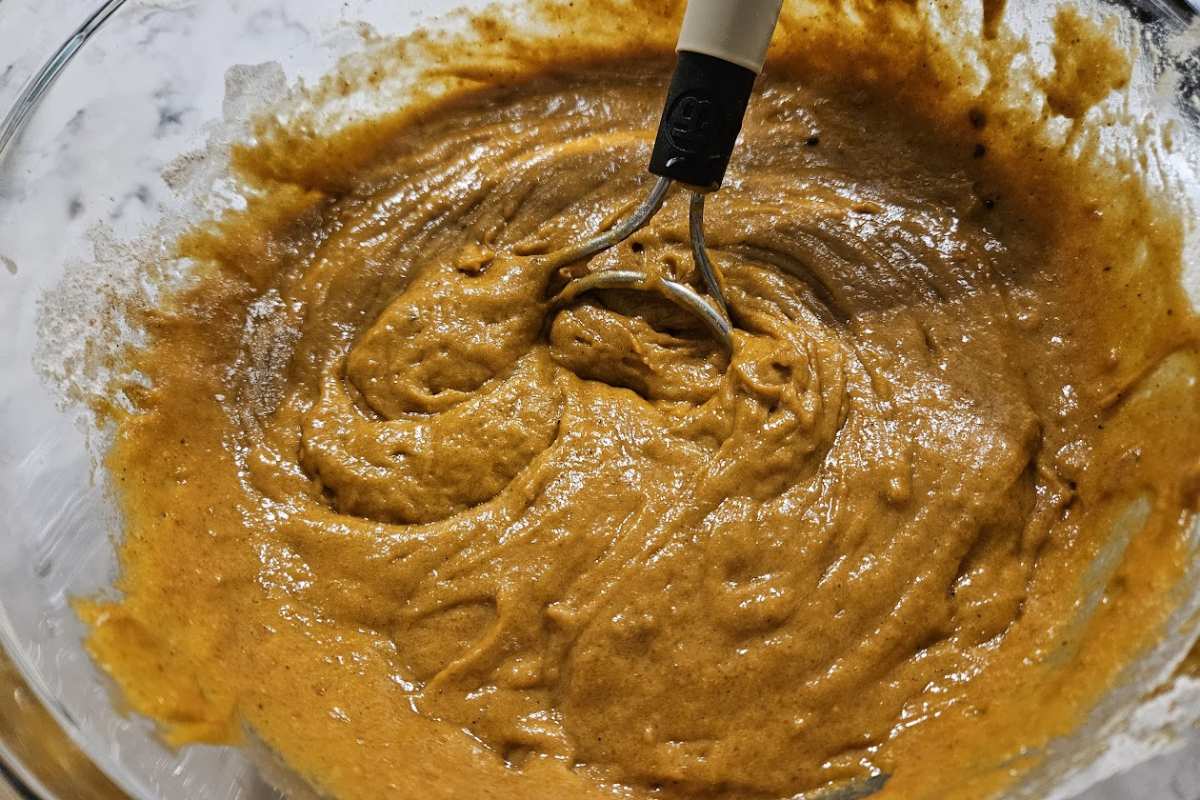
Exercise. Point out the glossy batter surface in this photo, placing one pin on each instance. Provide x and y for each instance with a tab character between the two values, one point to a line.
427	538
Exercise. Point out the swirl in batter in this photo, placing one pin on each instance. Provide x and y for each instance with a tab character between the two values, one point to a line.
380	494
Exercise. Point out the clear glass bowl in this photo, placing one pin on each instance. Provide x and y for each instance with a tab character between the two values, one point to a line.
140	83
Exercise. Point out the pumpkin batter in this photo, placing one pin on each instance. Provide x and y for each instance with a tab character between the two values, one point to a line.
426	538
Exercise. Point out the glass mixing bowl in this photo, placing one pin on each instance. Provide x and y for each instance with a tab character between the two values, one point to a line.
137	84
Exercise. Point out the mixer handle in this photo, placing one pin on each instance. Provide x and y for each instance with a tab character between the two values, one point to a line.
721	48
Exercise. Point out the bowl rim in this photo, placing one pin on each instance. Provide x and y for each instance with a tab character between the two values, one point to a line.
18	780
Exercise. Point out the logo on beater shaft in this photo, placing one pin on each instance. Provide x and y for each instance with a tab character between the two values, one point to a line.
690	122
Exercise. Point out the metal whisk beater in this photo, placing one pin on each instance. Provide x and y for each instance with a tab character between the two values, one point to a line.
721	49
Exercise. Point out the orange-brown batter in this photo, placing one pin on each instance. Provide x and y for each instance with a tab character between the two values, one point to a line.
426	538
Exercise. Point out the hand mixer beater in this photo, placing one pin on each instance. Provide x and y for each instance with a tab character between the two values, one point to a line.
721	49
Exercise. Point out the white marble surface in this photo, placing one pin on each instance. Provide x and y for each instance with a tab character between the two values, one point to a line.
143	92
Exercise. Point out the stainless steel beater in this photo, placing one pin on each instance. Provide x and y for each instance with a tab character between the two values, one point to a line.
720	52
